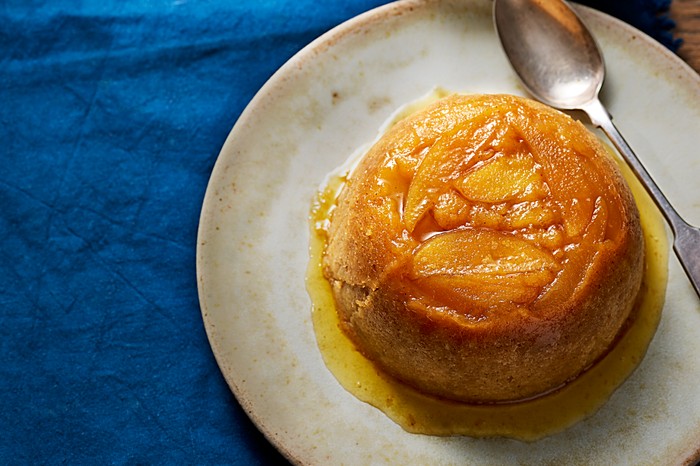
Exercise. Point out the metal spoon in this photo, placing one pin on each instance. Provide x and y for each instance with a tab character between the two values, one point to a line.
559	62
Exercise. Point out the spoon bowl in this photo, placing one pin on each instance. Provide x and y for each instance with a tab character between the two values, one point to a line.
559	62
550	50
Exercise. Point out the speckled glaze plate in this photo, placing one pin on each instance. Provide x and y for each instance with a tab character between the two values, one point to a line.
332	98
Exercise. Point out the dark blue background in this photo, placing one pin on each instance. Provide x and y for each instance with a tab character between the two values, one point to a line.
112	115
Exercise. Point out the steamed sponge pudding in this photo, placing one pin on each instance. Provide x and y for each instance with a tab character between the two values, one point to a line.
485	249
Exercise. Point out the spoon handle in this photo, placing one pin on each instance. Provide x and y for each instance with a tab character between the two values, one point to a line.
686	241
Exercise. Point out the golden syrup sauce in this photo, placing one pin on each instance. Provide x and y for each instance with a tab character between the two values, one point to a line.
527	420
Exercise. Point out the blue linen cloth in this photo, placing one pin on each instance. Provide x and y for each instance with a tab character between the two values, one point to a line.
111	117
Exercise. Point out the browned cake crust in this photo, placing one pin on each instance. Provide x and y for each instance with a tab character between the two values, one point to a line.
485	249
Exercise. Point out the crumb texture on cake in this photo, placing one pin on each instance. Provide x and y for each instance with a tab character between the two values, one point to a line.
485	249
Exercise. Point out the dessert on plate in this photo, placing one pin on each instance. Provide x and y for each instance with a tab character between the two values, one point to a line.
486	249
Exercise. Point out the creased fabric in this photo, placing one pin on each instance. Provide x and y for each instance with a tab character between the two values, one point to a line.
112	115
650	16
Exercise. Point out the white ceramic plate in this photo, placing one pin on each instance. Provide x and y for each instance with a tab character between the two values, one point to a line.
330	99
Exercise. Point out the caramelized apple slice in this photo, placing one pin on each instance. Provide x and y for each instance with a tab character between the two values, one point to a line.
532	214
504	178
473	261
447	161
568	173
473	300
579	256
451	211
